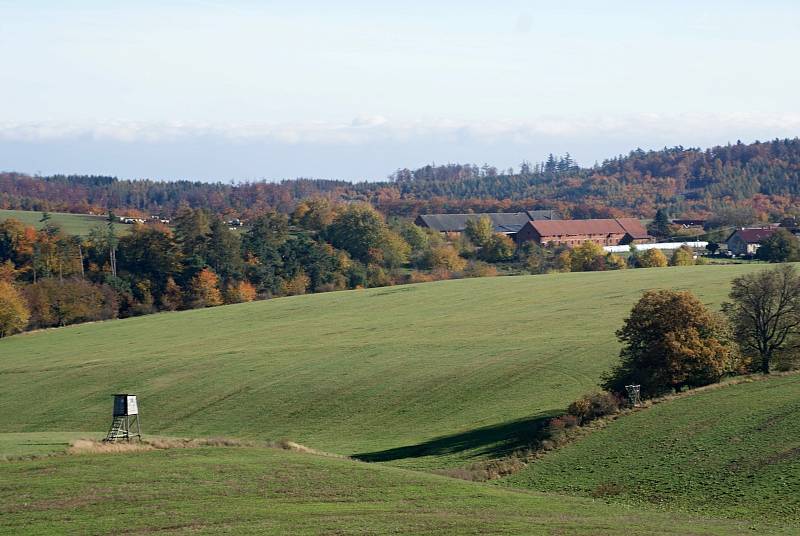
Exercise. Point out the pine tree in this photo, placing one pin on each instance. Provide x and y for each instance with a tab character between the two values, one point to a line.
660	227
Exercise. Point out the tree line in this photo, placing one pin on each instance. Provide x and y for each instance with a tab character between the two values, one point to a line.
761	178
53	279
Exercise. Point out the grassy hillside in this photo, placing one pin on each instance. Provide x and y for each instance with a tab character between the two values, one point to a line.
423	375
732	451
268	491
74	224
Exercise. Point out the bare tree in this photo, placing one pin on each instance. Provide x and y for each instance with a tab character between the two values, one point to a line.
765	312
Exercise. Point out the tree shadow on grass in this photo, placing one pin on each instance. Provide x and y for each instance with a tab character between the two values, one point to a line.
489	441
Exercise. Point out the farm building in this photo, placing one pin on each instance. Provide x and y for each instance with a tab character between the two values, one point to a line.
664	246
690	223
604	232
508	223
746	241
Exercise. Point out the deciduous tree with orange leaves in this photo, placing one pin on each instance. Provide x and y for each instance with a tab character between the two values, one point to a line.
671	341
205	289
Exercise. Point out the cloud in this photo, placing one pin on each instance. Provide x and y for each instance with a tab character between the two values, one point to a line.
683	128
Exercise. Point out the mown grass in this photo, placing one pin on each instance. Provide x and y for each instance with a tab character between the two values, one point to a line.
39	443
427	375
731	451
73	224
268	491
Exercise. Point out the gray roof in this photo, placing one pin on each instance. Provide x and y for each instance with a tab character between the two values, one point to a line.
536	215
504	222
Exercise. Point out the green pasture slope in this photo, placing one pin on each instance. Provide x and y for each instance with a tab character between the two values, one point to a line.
425	375
74	224
732	451
268	491
421	376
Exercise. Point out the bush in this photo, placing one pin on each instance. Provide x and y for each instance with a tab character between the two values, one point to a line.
295	286
443	256
498	248
480	269
588	257
240	293
594	406
608	489
652	258
683	256
616	262
557	428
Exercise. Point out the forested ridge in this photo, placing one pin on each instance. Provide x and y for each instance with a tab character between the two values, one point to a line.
763	176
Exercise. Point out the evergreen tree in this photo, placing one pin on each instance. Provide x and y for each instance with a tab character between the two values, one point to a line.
660	227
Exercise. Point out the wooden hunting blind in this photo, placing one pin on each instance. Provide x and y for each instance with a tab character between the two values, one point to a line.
125	417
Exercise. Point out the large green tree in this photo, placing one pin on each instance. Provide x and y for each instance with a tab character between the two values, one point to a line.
479	230
781	246
360	230
765	312
261	245
224	252
149	254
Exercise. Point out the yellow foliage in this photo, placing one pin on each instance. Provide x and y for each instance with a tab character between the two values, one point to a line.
653	258
446	257
683	256
295	286
14	313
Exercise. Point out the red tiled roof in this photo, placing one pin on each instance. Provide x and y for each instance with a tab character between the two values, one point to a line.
753	236
634	228
629	226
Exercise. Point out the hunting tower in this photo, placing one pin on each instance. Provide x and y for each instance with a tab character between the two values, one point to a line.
125	423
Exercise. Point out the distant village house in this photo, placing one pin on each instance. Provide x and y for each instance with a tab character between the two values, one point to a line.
747	241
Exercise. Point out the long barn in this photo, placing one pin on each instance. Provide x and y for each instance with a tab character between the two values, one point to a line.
604	232
508	223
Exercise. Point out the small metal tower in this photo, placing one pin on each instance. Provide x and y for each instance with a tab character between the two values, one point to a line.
126	416
634	395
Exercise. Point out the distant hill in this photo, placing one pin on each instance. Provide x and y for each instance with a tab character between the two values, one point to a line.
764	176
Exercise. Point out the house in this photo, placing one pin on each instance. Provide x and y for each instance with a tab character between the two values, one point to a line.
604	232
508	223
746	241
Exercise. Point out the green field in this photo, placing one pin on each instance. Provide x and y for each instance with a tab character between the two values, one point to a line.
73	224
426	377
423	375
732	451
13	445
269	491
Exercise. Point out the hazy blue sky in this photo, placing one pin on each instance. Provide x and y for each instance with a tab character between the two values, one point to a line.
245	89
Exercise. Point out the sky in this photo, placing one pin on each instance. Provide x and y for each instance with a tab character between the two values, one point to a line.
246	90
